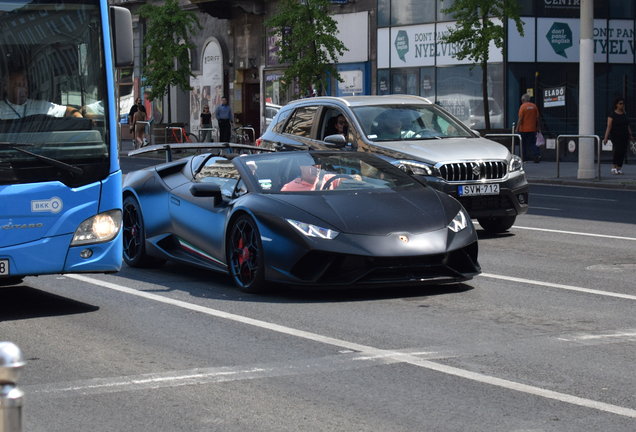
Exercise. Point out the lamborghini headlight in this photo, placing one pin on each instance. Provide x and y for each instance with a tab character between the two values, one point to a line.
459	222
313	230
515	164
98	229
416	168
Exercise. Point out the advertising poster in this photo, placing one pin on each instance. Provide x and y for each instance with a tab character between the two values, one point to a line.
207	87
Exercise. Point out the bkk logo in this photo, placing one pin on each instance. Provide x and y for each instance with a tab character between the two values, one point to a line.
53	205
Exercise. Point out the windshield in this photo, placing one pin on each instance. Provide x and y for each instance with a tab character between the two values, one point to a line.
408	122
290	172
52	107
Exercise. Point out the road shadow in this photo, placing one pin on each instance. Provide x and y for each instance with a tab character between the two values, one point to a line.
485	235
23	302
219	286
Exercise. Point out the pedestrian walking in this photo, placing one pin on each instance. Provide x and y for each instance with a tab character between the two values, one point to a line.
619	131
206	123
140	129
224	116
131	115
528	125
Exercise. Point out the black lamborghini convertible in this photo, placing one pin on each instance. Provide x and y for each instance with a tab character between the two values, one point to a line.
304	219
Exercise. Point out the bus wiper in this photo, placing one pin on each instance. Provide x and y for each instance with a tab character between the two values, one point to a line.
55	163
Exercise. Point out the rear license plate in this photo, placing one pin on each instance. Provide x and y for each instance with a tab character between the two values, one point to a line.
482	189
4	267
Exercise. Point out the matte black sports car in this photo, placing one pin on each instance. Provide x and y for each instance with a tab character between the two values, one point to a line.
305	219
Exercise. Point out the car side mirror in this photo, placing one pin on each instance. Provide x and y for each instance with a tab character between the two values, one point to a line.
207	190
336	140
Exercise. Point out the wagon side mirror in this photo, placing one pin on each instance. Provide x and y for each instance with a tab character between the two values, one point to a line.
337	141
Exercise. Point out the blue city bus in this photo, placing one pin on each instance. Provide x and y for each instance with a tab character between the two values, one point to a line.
60	180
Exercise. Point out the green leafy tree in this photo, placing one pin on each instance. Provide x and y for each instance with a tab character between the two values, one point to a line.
167	40
307	42
475	30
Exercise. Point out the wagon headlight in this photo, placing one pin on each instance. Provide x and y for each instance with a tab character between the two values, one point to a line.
416	168
515	164
97	229
459	222
313	230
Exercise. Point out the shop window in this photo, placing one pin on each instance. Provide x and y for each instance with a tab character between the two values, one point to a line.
384	13
459	91
384	78
405	12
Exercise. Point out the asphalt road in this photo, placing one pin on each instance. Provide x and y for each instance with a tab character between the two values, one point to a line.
544	340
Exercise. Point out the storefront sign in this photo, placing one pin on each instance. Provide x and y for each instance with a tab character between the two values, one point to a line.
553	97
419	45
557	41
560	38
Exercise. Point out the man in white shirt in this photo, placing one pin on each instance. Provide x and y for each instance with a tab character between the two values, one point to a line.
18	105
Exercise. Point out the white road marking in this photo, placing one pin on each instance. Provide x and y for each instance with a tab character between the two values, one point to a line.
575	197
618	336
574	233
387	354
560	286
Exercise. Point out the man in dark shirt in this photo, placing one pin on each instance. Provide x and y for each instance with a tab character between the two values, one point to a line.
223	115
131	115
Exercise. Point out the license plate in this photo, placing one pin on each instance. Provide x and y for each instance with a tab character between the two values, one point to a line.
482	189
4	267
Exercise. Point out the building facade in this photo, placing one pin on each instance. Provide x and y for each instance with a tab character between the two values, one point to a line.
394	48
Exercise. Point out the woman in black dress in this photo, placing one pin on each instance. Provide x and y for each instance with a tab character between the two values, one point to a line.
619	131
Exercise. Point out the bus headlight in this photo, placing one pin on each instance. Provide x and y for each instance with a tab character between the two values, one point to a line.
98	229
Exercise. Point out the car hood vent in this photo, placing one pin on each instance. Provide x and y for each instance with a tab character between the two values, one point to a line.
473	171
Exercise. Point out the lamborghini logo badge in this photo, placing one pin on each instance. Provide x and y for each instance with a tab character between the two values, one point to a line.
404	238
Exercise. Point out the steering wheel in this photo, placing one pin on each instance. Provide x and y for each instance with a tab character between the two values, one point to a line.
334	178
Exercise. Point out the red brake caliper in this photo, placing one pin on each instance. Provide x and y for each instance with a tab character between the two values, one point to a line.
245	253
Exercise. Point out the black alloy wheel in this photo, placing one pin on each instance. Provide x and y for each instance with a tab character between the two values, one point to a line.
134	236
245	255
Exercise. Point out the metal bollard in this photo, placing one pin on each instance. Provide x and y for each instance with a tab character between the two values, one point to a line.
11	397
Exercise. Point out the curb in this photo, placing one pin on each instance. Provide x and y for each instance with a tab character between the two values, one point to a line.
583	183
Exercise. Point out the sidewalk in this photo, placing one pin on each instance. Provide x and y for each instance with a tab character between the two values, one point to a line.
544	172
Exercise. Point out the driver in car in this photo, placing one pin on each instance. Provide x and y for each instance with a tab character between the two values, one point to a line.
18	105
310	179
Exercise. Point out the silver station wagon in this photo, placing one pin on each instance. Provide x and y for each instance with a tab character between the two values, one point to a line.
419	137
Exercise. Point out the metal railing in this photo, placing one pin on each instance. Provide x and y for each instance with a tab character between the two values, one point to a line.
512	146
598	145
213	131
172	129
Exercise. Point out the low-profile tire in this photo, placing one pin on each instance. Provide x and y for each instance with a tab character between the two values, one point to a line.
193	138
11	280
246	263
497	225
134	236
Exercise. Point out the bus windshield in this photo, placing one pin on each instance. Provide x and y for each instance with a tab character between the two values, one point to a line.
53	125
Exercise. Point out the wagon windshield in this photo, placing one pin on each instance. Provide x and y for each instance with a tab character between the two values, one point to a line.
408	122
